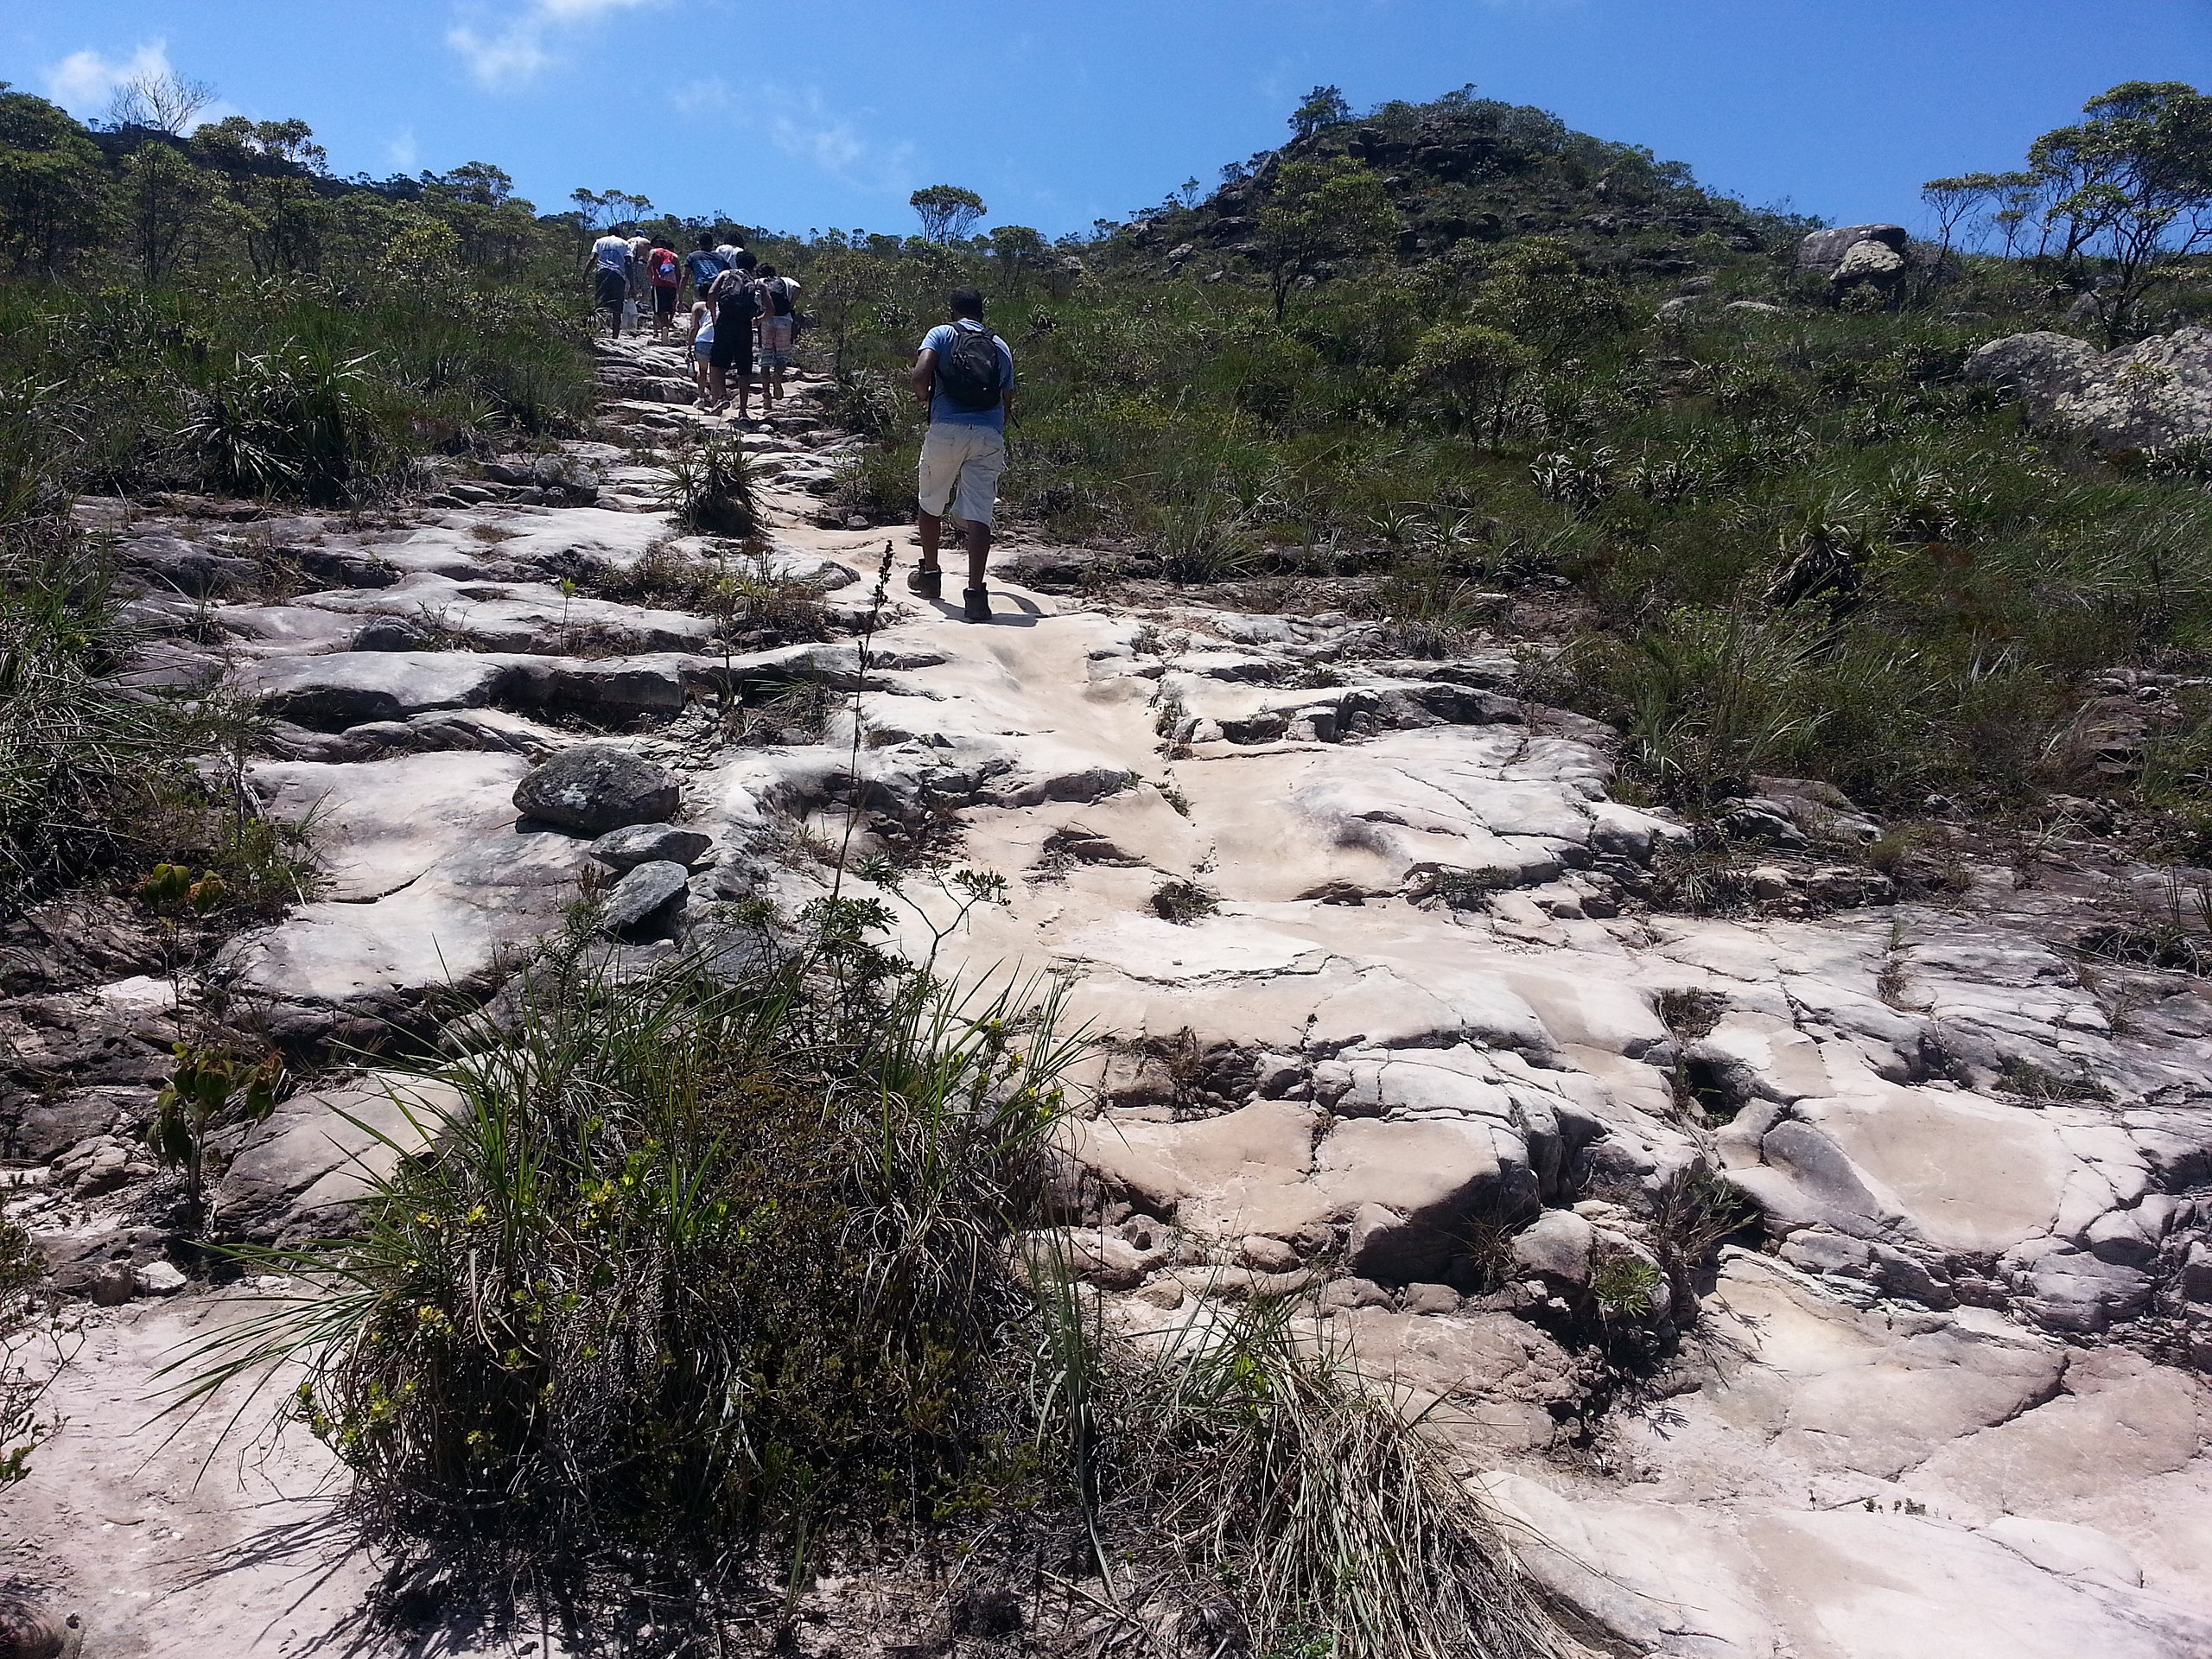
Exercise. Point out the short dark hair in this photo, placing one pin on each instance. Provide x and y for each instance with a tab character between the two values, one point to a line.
966	302
706	242
745	260
768	270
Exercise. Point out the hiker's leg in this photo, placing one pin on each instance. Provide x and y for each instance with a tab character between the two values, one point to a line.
938	478
984	459
979	553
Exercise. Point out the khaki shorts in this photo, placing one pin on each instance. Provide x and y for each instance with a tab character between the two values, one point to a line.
960	468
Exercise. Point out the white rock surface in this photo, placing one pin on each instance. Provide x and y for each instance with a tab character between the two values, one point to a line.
1415	1036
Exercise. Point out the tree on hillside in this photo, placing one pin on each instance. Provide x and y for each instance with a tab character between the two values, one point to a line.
1332	210
1016	247
478	181
947	212
602	210
2131	184
1325	106
1539	293
271	168
1953	201
1469	368
160	101
164	197
53	190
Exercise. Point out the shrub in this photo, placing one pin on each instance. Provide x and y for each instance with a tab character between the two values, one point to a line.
696	1256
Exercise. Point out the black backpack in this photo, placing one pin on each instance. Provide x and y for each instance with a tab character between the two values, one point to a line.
736	299
780	296
970	372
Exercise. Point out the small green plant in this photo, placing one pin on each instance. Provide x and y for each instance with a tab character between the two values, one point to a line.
1621	1283
707	488
1183	902
1690	1012
1457	889
700	1259
210	1089
22	1427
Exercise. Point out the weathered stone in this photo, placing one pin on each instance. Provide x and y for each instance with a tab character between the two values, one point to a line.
2146	396
1556	1248
643	895
30	1631
642	844
298	1173
1822	253
596	787
161	1279
347	688
389	633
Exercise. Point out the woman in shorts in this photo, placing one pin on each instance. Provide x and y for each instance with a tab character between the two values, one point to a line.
701	352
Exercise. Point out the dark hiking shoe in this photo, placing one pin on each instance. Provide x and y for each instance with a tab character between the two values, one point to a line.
975	604
927	580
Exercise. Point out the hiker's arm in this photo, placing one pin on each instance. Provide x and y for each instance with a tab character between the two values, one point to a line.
923	378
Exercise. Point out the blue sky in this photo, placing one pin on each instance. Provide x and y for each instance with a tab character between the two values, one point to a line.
1060	111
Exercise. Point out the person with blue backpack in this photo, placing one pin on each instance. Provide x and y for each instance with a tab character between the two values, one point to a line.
705	264
965	374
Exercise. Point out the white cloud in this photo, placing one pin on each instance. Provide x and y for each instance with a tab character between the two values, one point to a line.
703	97
524	46
400	149
804	127
83	82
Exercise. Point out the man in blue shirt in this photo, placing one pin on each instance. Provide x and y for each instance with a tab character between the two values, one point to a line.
965	374
705	264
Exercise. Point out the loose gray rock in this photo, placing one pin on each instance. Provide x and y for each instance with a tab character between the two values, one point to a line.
1868	262
596	787
1556	1249
391	634
29	1631
642	895
161	1279
647	843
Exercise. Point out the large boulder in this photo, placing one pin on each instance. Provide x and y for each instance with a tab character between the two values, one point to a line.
2142	396
1824	253
596	787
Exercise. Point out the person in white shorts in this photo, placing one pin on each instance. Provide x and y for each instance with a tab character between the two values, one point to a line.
965	374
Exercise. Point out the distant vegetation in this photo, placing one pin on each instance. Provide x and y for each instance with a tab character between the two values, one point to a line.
1425	362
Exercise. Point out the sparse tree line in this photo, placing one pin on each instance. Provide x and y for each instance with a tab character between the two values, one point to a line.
2115	203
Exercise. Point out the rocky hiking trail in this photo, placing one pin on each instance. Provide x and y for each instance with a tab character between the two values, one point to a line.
1371	945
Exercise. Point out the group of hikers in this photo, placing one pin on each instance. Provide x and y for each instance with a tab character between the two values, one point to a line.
743	311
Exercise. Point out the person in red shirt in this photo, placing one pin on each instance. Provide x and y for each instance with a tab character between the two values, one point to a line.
664	271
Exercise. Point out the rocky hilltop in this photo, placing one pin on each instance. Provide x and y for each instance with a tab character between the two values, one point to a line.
1830	1279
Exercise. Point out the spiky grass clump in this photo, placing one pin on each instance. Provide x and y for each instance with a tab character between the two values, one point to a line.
1250	1448
695	1259
708	488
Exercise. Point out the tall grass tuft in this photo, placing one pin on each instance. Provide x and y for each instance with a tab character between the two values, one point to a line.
695	1258
1247	1447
